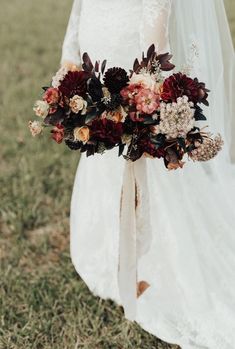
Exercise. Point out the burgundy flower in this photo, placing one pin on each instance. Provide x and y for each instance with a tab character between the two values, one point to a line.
178	85
75	83
58	133
106	130
115	79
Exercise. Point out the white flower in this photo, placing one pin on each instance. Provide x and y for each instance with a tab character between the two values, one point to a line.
106	92
59	76
35	127
147	80
77	104
107	96
176	119
41	108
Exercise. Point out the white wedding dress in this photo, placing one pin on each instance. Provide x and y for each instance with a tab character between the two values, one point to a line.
184	242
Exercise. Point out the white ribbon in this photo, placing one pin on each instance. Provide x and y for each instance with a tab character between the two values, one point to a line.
134	232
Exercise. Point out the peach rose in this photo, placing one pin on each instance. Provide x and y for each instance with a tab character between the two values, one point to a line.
81	134
118	115
41	108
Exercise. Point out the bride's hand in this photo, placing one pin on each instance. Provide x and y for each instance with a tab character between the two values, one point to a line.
71	66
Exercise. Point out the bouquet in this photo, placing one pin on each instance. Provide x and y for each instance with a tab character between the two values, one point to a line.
141	112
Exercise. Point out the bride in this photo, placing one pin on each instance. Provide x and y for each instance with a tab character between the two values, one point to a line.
179	247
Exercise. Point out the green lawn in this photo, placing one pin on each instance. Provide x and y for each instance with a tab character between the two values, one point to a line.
43	303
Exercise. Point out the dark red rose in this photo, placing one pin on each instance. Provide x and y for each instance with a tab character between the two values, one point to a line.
52	110
178	85
52	95
146	146
75	83
58	133
107	131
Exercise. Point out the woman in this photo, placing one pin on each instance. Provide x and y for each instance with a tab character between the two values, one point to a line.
183	247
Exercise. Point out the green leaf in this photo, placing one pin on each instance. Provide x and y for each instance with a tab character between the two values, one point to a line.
90	116
181	142
198	116
158	140
121	149
148	120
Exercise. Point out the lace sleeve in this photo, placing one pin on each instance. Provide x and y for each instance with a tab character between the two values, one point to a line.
154	25
70	50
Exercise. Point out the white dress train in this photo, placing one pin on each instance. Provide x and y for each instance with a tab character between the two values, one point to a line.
185	237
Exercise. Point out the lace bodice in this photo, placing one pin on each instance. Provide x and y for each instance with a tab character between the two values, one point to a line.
116	30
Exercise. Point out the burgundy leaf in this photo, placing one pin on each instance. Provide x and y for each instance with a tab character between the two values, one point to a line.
150	52
164	60
136	65
87	65
103	65
97	65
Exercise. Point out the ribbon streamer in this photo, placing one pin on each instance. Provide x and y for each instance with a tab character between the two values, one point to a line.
134	232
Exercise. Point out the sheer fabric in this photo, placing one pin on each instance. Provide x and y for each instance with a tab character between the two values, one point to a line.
205	28
186	235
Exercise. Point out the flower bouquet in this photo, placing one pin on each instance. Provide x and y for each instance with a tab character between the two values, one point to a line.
140	112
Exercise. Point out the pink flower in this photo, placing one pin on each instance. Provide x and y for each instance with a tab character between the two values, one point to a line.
147	101
52	95
128	93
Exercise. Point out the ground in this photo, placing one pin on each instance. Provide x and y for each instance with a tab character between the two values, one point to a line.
43	303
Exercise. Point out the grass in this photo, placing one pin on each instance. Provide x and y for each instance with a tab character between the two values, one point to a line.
43	303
